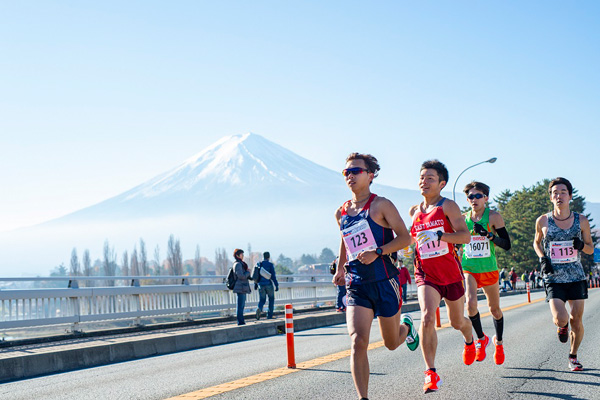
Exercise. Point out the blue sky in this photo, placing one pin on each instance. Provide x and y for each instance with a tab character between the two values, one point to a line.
97	97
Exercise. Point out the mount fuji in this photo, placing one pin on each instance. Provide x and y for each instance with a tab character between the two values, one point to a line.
242	190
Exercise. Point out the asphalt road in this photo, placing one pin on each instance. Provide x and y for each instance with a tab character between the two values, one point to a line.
535	367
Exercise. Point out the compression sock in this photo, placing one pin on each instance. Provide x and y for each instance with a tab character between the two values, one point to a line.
476	321
499	325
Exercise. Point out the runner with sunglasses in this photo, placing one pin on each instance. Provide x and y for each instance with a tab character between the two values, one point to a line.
559	237
480	266
437	225
367	249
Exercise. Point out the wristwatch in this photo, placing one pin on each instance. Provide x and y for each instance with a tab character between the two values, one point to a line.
379	251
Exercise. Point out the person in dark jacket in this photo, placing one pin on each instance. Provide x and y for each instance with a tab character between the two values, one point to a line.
267	286
242	286
340	303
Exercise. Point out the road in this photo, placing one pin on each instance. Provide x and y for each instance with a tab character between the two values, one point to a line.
535	367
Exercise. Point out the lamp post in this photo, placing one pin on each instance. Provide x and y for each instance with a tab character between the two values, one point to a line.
491	161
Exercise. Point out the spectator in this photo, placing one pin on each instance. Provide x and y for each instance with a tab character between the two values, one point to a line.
505	280
533	278
525	277
242	286
513	278
341	289
404	279
267	286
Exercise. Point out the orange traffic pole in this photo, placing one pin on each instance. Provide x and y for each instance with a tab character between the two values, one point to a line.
289	331
528	293
438	321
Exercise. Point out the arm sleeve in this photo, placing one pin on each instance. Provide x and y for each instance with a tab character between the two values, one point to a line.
502	240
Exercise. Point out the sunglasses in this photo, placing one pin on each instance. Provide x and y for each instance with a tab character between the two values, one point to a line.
475	196
353	171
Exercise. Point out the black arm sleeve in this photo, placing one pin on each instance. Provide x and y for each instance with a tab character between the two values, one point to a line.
502	240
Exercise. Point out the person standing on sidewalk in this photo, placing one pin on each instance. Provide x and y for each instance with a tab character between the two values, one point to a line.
560	236
340	305
242	286
267	286
404	279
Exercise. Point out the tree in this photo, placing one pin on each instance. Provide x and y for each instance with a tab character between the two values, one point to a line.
197	261
158	270
285	261
75	266
282	270
327	256
308	259
135	266
125	265
174	257
87	266
109	263
221	262
143	260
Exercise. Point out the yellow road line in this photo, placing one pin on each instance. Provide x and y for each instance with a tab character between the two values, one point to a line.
276	373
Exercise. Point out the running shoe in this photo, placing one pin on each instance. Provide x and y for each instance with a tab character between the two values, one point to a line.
432	382
412	339
480	346
469	354
575	365
499	353
563	334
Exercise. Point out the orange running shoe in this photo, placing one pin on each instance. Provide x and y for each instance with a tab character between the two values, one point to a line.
480	346
499	353
469	354
432	382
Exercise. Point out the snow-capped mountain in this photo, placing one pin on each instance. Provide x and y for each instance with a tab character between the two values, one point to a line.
241	190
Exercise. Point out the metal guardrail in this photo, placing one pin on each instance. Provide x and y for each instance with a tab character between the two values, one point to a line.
20	308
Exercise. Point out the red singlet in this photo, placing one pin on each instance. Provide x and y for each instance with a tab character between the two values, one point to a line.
434	263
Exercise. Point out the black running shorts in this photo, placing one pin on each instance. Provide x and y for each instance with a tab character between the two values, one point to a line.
566	291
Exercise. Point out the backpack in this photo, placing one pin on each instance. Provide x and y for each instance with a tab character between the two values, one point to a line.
502	275
255	275
231	279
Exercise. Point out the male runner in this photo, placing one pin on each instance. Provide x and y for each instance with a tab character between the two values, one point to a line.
559	237
437	225
480	266
368	223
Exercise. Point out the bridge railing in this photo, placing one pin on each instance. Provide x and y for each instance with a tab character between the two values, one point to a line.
32	307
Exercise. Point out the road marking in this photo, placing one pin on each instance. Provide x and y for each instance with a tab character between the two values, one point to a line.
276	373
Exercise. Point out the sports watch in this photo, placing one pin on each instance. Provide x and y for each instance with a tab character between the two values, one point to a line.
379	251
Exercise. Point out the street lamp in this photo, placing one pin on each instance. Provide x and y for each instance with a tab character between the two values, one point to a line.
491	161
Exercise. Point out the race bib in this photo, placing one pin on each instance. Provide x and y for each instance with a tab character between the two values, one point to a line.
479	247
428	245
358	238
563	252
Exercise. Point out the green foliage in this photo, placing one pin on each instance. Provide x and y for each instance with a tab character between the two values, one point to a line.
327	255
282	270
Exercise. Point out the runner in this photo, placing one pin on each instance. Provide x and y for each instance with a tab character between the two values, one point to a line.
480	266
437	225
368	224
559	237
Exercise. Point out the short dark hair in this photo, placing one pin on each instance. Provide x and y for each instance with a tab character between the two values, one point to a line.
559	181
371	162
237	252
266	255
482	187
438	166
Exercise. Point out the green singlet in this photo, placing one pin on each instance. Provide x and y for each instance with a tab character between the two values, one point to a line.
479	255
